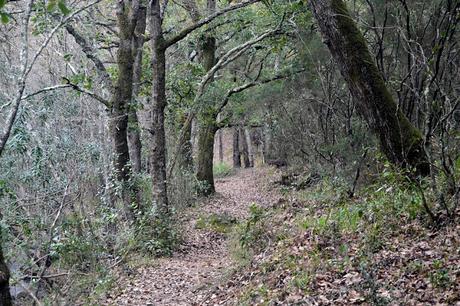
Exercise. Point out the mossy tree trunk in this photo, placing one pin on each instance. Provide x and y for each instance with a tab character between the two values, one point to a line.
399	139
206	135
127	17
157	127
208	122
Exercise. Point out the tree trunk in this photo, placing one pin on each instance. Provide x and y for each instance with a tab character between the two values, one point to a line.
157	128
236	148
207	128
121	99
267	143
5	297
245	149
186	151
134	133
205	156
399	139
221	145
247	134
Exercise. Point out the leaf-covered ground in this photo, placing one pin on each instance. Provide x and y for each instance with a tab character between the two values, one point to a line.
203	259
308	247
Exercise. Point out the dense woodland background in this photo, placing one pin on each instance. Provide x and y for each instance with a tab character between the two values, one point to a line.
116	116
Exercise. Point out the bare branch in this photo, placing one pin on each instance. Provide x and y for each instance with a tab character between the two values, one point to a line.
46	89
91	55
55	29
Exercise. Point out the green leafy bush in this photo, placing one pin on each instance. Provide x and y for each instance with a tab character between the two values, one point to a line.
222	170
157	235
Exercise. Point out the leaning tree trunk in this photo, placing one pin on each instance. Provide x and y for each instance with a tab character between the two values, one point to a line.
399	139
205	157
5	297
134	133
157	128
236	149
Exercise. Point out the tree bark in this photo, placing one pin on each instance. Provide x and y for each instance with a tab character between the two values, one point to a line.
245	149
236	149
134	133
205	156
247	134
399	139
207	126
122	95
157	128
221	145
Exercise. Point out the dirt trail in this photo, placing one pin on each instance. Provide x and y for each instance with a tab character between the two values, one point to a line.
184	279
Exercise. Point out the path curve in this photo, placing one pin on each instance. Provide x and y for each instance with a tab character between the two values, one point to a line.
203	259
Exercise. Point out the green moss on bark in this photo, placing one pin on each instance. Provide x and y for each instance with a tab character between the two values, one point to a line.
399	139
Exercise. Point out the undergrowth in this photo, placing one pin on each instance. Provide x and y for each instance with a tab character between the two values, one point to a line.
321	233
222	170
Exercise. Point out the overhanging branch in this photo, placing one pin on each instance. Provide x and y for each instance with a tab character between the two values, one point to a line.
183	33
243	87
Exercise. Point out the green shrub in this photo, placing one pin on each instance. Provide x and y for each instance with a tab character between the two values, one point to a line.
157	235
222	170
222	223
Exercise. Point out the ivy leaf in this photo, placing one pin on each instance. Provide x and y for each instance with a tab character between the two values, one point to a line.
4	17
63	8
67	57
2	3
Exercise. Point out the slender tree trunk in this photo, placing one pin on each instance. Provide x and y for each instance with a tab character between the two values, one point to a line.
5	297
236	148
187	149
221	145
247	134
399	139
267	143
134	133
205	156
245	149
157	128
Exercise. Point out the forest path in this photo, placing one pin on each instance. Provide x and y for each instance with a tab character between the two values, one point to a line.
204	257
